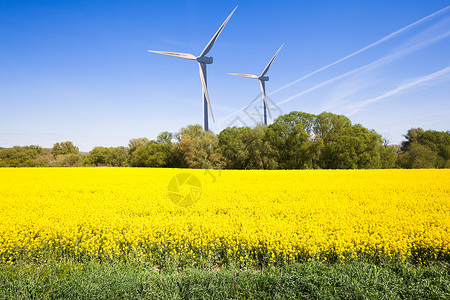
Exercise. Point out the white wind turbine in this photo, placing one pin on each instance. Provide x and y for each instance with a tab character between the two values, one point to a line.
202	60
262	81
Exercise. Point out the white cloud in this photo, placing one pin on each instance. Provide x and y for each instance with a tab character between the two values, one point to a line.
427	79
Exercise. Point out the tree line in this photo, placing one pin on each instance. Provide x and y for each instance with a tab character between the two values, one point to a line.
297	140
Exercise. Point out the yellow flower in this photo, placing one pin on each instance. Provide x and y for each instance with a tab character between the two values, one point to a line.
118	213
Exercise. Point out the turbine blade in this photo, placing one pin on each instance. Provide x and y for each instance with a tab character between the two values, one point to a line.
214	38
263	91
271	61
244	75
205	89
176	54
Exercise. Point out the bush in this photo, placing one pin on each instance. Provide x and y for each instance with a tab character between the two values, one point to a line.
67	160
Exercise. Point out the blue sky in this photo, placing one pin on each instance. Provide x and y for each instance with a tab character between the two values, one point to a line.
79	70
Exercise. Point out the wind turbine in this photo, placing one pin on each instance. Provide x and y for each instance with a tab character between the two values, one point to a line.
262	82
202	60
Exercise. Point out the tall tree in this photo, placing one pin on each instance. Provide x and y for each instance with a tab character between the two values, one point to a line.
200	148
425	149
351	147
388	156
233	147
411	137
418	157
261	152
246	148
151	154
136	143
117	157
294	144
18	156
64	148
438	142
98	156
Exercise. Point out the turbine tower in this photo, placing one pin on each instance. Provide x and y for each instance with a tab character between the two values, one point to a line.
262	82
202	60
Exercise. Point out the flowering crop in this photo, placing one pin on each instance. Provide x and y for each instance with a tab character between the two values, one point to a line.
254	217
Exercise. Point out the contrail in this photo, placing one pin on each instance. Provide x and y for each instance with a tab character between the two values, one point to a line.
423	79
350	55
382	40
372	64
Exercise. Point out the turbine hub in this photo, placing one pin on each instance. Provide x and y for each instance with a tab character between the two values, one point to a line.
205	59
264	78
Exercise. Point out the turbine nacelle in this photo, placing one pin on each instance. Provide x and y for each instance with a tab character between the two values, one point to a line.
264	78
204	60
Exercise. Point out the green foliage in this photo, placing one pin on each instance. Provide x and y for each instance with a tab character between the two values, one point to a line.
246	148
200	148
328	141
388	156
425	149
136	143
117	156
411	137
309	280
64	148
44	158
439	143
293	141
19	156
151	154
30	163
174	157
103	156
159	153
351	147
233	147
418	157
165	138
297	140
13	163
98	156
67	160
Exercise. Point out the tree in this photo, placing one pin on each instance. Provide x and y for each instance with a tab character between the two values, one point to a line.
200	148
327	126
64	148
20	156
233	147
418	157
136	143
293	141
425	149
164	138
44	158
68	160
438	142
117	157
388	156
103	156
411	137
246	148
98	156
351	147
306	141
160	153
151	154
261	153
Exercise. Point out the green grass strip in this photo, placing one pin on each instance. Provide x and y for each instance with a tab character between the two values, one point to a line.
311	280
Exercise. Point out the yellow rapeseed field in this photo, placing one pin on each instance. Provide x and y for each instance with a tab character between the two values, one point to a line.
255	217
